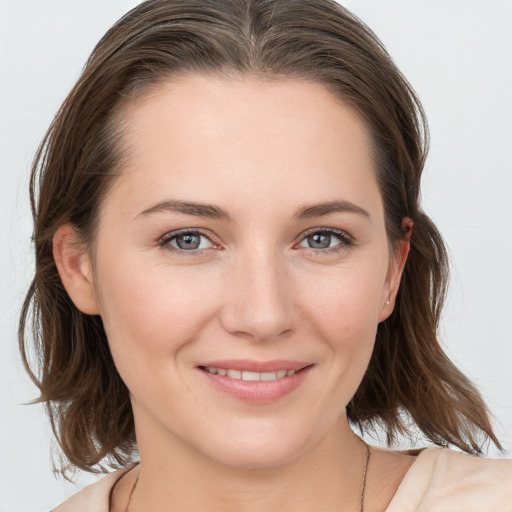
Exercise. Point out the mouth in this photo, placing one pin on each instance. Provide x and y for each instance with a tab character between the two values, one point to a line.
256	382
246	375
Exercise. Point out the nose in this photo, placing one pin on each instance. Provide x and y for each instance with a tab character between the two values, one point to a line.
258	300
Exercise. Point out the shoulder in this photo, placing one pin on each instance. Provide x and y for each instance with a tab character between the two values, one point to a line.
94	497
442	479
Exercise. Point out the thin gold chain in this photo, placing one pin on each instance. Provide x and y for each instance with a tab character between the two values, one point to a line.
131	492
365	472
363	483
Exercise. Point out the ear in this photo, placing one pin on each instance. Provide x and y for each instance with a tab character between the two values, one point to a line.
75	269
396	267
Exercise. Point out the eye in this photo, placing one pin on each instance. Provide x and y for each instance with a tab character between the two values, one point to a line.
186	240
326	239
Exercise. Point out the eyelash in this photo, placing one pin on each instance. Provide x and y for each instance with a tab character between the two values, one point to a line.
346	241
173	235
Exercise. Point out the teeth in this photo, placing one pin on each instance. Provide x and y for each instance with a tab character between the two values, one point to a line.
250	376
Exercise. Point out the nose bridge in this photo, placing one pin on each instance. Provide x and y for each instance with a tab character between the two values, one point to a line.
258	304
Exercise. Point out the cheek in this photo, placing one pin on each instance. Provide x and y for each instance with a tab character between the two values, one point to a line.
343	308
347	300
150	311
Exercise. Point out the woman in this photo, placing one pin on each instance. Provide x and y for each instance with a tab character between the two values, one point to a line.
233	268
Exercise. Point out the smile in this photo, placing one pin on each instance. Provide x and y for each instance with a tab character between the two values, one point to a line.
256	382
248	375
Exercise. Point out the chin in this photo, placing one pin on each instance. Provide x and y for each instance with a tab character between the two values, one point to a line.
260	448
247	457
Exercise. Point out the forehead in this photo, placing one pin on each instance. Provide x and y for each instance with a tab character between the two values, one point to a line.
242	136
202	102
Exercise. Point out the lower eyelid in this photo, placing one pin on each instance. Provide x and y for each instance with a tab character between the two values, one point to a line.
344	238
173	235
345	241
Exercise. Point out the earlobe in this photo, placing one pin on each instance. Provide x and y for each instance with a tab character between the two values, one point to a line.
75	269
397	264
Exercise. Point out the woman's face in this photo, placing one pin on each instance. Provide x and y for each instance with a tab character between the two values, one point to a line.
244	240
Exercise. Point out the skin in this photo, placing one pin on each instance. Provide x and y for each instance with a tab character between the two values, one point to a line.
256	290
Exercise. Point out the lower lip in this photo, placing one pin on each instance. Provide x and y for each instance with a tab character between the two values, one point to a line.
257	392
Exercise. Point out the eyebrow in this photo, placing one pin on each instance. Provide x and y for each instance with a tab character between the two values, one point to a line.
209	211
319	209
212	211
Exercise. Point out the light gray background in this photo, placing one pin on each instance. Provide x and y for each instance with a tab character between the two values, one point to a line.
456	54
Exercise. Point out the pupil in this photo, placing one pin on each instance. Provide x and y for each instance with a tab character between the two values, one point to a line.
188	241
319	241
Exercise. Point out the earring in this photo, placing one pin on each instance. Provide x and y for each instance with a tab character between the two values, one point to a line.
387	302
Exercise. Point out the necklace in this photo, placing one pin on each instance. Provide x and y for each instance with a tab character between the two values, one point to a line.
131	492
365	472
363	482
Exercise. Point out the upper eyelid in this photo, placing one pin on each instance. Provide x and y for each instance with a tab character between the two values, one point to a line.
164	241
333	231
322	229
200	231
195	231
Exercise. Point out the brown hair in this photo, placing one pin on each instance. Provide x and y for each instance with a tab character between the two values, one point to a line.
409	376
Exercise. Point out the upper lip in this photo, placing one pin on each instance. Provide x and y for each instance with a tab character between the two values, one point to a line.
256	366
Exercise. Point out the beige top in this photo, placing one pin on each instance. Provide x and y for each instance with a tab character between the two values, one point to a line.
440	480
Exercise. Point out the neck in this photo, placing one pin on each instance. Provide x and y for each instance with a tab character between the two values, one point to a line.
174	476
